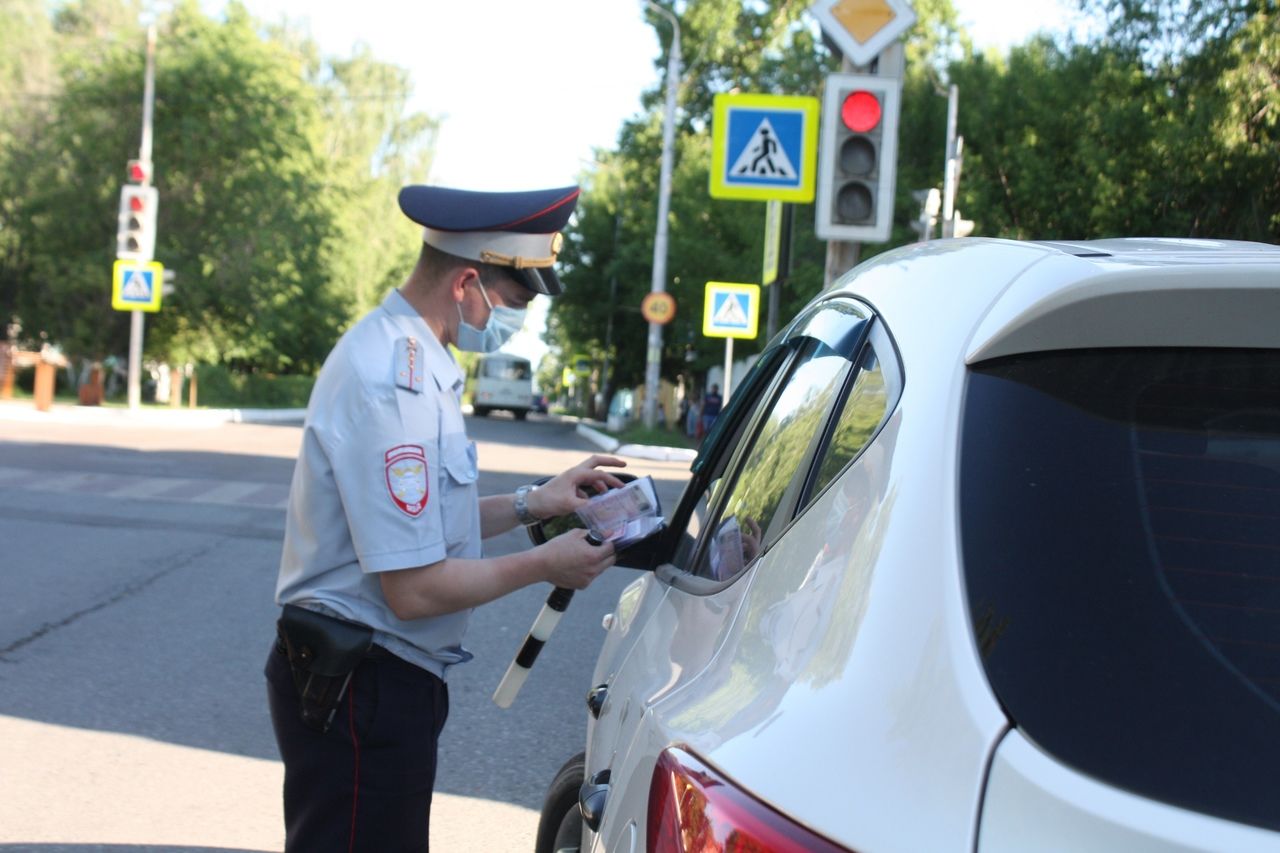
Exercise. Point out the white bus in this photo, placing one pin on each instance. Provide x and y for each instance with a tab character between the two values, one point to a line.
502	381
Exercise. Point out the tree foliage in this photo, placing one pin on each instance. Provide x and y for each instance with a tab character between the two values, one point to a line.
274	167
1164	124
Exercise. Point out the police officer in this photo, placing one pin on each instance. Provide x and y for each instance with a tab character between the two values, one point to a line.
382	560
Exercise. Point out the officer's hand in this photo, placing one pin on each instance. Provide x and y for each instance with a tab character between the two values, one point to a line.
567	491
573	562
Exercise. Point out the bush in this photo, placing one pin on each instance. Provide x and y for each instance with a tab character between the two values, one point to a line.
221	388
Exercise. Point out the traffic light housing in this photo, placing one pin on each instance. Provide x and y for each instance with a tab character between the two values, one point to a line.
858	157
136	232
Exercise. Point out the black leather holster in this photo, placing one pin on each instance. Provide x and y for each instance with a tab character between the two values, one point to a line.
323	652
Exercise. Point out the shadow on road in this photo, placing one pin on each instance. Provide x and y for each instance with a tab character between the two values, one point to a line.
151	618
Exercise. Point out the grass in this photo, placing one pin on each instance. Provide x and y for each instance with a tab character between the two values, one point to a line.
638	433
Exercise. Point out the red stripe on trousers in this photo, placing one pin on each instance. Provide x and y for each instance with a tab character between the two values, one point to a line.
355	744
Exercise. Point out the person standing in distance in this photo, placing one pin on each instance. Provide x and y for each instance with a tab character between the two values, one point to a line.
711	404
382	560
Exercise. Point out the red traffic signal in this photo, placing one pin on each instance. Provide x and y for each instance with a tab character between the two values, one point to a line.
860	111
139	171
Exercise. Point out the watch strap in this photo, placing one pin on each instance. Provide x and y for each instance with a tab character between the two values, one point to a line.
522	505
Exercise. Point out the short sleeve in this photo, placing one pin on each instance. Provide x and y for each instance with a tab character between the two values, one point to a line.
386	460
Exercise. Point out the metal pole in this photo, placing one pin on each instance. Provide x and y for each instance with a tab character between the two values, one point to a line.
728	370
949	175
653	359
606	386
784	270
144	154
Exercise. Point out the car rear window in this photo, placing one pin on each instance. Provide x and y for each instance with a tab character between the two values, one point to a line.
1120	525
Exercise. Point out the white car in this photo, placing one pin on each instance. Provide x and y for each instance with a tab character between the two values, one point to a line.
984	554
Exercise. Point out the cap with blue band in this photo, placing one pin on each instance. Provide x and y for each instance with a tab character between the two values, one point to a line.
517	230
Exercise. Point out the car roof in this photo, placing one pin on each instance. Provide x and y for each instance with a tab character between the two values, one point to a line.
991	298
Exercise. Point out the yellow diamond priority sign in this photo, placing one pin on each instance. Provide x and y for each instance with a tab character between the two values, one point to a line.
863	28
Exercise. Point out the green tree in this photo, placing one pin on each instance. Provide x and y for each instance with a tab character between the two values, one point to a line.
274	168
27	81
374	146
609	254
729	46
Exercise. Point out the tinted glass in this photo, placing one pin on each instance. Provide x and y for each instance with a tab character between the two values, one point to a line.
863	412
1120	523
773	469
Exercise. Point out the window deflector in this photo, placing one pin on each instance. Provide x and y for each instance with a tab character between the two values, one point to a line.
736	420
842	325
877	342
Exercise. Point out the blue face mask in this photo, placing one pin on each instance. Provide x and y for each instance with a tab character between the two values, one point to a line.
502	324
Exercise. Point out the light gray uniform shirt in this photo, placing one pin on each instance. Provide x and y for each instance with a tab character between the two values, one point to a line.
385	480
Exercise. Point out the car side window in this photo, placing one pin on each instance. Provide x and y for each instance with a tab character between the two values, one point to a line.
700	511
774	468
863	411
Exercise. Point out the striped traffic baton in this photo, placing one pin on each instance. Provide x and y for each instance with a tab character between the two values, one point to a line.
548	618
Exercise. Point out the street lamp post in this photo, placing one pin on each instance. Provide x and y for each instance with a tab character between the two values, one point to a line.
653	360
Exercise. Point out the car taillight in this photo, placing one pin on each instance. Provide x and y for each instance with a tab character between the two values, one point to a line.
692	809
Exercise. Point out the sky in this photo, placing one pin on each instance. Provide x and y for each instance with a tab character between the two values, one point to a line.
527	90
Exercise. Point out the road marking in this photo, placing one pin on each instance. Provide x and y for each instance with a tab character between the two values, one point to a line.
130	486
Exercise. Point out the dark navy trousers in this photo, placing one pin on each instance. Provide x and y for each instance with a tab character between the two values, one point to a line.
364	786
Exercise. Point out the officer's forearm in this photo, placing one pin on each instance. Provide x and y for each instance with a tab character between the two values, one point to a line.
497	515
454	584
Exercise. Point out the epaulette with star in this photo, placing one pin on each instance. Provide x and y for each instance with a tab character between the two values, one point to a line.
408	364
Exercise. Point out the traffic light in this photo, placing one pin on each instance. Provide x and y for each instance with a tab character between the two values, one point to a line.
136	234
858	157
139	172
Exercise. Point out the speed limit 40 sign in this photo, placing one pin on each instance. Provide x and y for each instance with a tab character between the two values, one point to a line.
658	308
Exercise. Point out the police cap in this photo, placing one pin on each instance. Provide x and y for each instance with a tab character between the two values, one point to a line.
520	230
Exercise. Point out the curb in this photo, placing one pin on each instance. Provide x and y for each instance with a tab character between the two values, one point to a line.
70	414
639	451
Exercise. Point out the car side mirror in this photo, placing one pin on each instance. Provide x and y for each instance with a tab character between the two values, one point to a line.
643	554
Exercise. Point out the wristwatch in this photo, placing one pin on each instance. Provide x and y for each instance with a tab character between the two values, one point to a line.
522	505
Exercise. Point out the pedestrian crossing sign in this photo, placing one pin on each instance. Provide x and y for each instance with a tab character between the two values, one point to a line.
764	147
135	285
731	310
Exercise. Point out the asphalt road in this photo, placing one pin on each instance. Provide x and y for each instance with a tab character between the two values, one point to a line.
137	566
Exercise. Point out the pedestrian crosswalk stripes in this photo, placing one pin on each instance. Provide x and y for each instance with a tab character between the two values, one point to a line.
186	490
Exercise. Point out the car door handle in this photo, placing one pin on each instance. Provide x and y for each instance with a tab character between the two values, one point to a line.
595	699
591	799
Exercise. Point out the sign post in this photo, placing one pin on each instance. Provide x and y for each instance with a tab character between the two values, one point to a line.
772	239
730	310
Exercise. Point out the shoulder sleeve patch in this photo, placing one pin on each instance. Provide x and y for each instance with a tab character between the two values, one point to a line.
406	475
